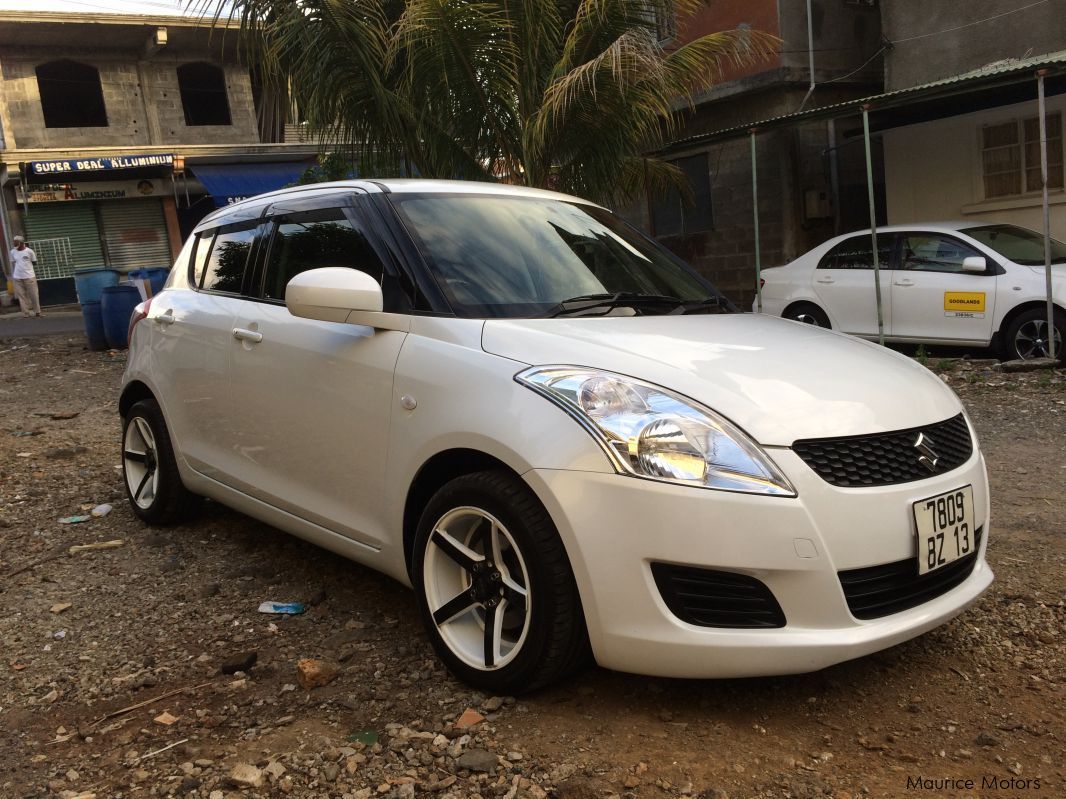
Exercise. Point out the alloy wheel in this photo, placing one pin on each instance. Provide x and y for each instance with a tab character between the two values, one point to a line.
1031	340
140	462
477	588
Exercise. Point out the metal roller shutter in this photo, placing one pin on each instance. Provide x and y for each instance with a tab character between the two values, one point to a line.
65	238
135	232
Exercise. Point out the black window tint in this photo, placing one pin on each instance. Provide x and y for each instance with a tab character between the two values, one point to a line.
199	256
71	96
856	253
315	239
674	214
229	255
929	252
203	94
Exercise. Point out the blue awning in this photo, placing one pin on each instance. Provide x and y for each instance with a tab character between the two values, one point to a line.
230	183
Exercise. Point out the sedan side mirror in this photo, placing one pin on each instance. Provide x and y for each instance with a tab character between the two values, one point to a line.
974	263
339	294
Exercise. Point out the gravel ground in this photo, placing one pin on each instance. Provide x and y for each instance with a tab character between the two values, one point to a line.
113	659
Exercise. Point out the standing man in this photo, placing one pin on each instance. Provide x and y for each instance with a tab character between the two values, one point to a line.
23	259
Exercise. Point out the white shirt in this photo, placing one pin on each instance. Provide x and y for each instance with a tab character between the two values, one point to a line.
23	261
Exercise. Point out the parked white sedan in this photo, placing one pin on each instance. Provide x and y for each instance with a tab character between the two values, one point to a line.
957	283
559	434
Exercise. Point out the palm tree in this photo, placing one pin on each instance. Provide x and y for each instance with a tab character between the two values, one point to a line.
568	94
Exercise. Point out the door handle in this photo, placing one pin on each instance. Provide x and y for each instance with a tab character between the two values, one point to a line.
826	280
241	334
165	318
903	283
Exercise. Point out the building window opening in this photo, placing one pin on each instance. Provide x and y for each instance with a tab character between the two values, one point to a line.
1010	156
203	94
675	214
71	96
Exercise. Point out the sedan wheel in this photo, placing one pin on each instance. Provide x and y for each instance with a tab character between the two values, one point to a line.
1027	338
495	589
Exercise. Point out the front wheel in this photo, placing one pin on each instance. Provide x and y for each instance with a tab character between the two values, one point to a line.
1027	336
153	484
495	588
808	313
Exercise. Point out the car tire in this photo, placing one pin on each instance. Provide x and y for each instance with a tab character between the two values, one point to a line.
150	473
495	588
1026	336
808	313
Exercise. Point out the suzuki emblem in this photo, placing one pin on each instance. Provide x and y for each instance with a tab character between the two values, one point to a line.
926	454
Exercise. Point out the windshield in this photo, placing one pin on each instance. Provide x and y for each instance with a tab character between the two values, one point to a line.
1018	244
512	256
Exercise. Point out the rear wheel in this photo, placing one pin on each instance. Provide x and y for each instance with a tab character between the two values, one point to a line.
1027	336
495	588
153	484
808	313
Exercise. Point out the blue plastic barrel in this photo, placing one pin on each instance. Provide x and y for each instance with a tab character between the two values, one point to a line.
90	282
94	325
157	276
116	306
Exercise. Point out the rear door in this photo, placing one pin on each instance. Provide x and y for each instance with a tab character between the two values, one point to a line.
316	397
844	283
192	349
933	299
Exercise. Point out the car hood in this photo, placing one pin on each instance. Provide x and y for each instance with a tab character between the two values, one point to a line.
778	380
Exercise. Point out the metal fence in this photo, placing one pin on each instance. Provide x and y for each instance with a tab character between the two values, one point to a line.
54	258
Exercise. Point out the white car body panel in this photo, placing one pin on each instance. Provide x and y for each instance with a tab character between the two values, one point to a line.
778	380
321	428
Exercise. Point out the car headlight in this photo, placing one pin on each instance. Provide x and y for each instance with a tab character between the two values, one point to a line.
651	432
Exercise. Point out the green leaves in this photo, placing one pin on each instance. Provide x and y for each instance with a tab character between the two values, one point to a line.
567	95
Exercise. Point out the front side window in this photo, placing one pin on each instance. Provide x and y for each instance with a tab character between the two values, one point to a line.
929	252
203	94
856	253
70	95
224	270
515	256
312	240
1018	244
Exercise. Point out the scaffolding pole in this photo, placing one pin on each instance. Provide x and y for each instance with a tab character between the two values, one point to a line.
1047	217
873	224
755	211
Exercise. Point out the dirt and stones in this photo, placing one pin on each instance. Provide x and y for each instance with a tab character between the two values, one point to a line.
120	694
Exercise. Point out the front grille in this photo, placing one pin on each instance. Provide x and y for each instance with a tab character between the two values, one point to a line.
878	591
887	458
710	598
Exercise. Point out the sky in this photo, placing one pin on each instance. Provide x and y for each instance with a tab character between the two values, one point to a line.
161	7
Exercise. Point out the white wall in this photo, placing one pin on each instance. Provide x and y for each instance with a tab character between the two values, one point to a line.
933	173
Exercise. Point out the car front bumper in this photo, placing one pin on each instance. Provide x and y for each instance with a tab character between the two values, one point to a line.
614	527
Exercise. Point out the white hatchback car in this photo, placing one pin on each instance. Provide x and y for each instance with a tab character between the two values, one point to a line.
957	283
558	433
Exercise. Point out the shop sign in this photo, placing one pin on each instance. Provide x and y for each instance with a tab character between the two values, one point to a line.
67	166
97	190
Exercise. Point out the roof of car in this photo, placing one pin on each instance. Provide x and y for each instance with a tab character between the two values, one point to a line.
253	205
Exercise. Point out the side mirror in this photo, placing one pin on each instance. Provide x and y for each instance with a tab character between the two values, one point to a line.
975	263
337	294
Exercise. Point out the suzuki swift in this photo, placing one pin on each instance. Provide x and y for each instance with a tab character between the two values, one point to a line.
564	439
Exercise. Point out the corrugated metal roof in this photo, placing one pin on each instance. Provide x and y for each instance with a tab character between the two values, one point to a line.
994	74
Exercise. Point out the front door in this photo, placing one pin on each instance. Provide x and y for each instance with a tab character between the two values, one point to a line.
315	397
844	284
933	299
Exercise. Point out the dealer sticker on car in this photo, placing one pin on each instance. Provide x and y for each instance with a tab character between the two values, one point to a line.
945	528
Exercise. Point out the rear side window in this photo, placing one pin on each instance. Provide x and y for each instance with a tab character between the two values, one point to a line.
199	258
312	240
227	260
856	253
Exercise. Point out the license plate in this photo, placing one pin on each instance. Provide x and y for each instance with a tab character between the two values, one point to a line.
945	525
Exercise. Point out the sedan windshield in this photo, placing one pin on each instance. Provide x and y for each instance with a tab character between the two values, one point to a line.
518	256
1018	244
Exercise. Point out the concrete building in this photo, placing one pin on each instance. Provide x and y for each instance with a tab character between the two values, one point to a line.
811	179
979	158
120	132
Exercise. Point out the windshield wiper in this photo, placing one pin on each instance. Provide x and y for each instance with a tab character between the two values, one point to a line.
710	303
620	299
